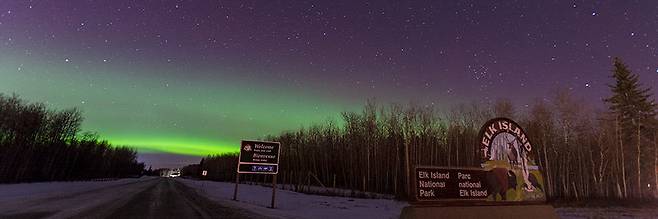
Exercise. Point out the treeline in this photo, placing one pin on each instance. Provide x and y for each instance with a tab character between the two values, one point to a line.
38	144
584	152
218	167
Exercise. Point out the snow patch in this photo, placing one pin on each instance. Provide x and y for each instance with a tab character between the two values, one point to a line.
295	205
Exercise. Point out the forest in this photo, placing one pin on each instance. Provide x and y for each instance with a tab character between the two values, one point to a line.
585	152
38	144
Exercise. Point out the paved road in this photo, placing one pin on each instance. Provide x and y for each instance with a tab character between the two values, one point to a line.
155	198
170	199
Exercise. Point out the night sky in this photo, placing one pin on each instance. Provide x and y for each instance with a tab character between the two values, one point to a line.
195	77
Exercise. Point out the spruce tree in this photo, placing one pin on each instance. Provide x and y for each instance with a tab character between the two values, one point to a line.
635	112
629	100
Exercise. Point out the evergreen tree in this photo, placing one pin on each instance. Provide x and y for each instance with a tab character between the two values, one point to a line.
635	113
629	100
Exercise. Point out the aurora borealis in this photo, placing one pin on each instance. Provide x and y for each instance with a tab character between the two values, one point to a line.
164	116
195	77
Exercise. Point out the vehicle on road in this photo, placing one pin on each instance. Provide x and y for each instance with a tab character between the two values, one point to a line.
174	173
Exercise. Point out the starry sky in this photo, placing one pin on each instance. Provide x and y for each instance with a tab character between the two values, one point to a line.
192	78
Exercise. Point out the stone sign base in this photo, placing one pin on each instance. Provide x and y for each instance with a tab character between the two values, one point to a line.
480	212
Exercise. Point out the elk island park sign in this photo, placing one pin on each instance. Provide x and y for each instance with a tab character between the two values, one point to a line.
508	172
507	183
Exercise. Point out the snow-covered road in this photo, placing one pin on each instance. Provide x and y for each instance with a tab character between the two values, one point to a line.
126	198
65	199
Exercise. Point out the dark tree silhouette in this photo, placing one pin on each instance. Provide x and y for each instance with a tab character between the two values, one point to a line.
37	144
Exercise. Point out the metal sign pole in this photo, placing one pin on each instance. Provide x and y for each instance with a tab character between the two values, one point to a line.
203	180
237	181
273	189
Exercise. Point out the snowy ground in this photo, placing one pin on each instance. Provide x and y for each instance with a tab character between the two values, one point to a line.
296	205
317	190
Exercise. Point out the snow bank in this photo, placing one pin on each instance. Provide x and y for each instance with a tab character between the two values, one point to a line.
317	190
296	205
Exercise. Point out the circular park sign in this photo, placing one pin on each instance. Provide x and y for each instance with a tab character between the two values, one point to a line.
512	172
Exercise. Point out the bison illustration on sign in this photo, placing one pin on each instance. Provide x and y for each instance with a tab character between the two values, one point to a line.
500	180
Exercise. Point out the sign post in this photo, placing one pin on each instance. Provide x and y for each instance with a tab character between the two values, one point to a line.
237	181
258	157
203	179
273	190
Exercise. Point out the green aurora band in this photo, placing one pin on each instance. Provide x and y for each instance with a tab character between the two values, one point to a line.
159	111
